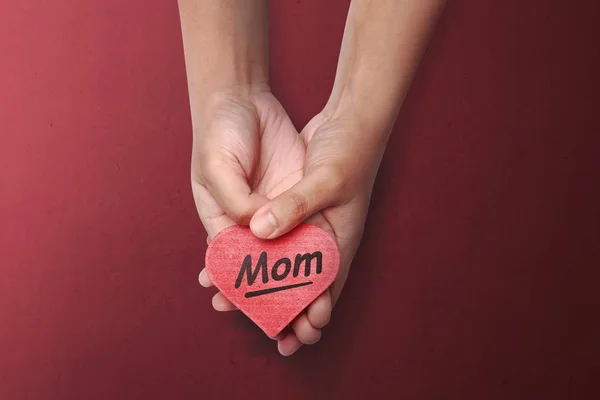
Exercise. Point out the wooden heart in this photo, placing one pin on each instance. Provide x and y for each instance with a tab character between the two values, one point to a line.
272	281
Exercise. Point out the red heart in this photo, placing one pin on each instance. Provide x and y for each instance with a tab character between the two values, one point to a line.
272	281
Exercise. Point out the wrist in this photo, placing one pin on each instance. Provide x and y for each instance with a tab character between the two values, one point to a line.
226	47
228	102
228	74
204	95
381	49
355	142
373	117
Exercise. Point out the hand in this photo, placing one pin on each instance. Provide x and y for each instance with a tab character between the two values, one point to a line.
340	167
254	166
250	166
245	151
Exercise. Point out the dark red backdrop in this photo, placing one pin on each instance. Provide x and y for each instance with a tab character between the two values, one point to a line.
475	277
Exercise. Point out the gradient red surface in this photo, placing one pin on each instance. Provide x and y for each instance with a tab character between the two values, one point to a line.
476	278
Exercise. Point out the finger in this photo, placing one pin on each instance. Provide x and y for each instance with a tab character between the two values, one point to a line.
319	312
288	345
221	303
204	279
314	192
304	331
227	182
212	216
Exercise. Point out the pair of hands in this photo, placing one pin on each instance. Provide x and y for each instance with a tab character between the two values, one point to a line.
251	167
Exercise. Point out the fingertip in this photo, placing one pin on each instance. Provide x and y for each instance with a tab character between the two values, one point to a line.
221	303
304	331
288	345
286	211
204	279
319	311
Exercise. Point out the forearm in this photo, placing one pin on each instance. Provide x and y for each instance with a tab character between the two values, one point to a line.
226	46
382	47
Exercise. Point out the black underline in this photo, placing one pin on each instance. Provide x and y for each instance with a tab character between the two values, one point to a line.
275	289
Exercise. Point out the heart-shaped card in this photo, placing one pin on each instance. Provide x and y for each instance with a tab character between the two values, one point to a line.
272	281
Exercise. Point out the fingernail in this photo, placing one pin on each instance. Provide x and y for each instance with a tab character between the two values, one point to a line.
203	279
282	351
218	304
264	225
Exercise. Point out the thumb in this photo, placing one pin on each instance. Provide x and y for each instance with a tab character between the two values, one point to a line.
318	190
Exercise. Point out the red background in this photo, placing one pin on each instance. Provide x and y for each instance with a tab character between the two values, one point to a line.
476	276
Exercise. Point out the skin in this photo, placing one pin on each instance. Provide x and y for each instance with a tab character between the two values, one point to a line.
249	164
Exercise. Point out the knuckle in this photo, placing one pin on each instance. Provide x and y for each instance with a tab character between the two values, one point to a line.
299	206
307	334
239	214
299	326
334	181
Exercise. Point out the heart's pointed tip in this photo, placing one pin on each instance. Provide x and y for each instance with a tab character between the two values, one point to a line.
272	333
